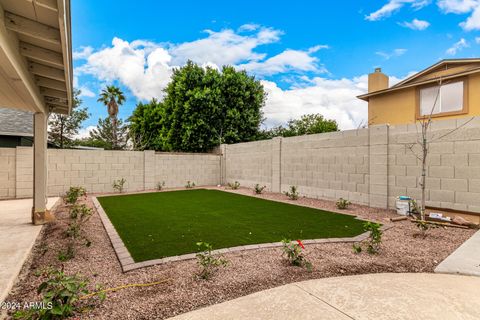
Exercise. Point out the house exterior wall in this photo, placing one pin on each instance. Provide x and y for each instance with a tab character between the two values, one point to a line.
399	107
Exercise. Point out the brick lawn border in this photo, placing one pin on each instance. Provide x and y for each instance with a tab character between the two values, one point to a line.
128	264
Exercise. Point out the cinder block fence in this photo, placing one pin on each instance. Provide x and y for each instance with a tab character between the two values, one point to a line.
370	166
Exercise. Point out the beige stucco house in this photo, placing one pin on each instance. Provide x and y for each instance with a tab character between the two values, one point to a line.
446	90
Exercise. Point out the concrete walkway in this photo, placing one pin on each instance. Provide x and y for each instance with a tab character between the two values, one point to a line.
372	296
17	236
465	260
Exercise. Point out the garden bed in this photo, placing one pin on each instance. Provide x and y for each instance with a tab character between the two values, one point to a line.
247	271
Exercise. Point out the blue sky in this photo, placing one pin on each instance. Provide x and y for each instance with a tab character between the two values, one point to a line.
312	56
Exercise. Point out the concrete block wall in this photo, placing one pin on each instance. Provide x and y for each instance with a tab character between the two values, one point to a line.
97	169
330	165
453	164
7	173
251	162
175	169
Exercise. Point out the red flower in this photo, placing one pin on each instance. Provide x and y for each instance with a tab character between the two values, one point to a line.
301	244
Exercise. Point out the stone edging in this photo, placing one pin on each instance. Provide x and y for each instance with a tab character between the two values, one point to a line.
128	264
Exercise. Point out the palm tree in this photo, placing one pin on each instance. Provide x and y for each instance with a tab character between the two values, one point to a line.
112	97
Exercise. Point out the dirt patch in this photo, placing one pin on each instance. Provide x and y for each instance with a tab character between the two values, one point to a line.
247	272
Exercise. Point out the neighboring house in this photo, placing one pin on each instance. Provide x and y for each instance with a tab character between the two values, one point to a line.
447	89
16	128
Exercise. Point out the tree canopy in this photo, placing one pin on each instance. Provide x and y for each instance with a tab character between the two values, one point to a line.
202	108
307	124
106	136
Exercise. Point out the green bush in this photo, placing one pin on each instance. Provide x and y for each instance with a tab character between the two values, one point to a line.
259	189
118	185
292	193
343	203
294	254
190	184
207	261
73	193
234	186
61	295
374	239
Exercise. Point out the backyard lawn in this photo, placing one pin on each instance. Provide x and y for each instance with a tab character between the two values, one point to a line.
162	224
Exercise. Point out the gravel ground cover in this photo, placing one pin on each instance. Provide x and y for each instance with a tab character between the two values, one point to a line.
247	272
162	224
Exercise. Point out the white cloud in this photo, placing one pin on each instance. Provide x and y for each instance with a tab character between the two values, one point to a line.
83	53
141	66
462	7
145	67
477	40
393	5
86	92
84	132
248	27
388	55
457	46
415	24
224	47
334	99
457	6
288	60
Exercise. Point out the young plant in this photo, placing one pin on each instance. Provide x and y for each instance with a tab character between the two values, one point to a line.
292	193
160	185
259	189
343	204
207	261
424	226
294	253
61	295
190	185
234	186
118	185
374	239
73	193
79	214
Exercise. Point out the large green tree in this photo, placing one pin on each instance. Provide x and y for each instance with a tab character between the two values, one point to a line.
112	97
202	108
63	128
106	136
146	123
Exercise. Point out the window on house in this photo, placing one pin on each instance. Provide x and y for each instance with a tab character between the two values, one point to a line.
441	99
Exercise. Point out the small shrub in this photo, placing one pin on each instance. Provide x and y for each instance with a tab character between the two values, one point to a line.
292	193
259	189
67	254
294	254
190	184
424	226
61	295
79	214
119	184
374	239
73	193
207	261
160	185
234	186
343	203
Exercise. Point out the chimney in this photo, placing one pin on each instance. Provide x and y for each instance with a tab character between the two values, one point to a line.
377	80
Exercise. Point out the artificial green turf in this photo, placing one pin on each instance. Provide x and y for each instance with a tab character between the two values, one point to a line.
162	224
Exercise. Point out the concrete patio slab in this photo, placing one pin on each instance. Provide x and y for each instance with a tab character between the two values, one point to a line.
465	260
17	236
371	296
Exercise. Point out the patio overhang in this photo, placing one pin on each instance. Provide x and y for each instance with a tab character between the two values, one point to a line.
36	74
35	55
